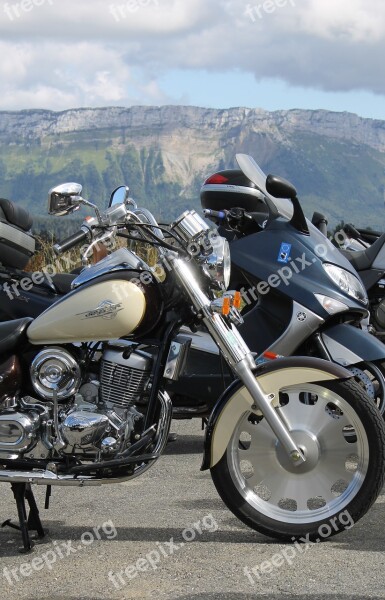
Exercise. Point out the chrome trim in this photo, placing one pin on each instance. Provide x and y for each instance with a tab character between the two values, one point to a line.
83	429
117	261
47	477
176	358
18	431
190	226
147	217
238	356
226	336
266	405
217	266
55	369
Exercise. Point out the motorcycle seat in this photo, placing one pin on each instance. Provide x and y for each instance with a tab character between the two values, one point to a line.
13	333
15	215
62	282
363	259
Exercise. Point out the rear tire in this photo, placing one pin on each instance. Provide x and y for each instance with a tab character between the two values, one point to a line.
333	489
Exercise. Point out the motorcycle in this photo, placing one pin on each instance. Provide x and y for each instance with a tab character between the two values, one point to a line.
301	294
74	412
308	309
365	250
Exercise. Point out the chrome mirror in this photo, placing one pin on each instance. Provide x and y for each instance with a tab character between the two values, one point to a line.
64	199
119	196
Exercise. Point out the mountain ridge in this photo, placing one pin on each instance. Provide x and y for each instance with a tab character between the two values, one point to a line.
317	121
164	154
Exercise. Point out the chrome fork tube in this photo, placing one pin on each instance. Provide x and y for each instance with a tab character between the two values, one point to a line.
237	355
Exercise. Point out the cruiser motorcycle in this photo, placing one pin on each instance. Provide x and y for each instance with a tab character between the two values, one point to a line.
315	305
74	412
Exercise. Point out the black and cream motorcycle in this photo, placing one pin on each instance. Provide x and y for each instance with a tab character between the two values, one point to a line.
77	412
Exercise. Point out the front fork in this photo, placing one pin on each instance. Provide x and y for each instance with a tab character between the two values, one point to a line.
237	355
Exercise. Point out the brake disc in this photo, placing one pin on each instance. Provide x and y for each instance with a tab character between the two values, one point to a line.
364	380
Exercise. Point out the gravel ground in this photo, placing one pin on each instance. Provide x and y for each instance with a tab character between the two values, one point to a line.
157	516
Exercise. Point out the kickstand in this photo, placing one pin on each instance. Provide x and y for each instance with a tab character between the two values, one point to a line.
23	492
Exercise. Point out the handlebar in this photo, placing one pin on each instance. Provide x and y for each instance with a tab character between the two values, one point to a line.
351	230
70	242
217	214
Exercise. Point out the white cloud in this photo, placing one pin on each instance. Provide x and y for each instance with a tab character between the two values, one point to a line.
73	53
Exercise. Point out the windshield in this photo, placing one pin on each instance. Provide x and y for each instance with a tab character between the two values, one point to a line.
254	172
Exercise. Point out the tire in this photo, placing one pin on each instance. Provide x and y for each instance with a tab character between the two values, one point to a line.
332	490
370	376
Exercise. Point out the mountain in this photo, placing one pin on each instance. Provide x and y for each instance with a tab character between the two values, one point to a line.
336	160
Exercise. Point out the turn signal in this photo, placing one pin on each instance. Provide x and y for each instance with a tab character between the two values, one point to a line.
270	355
226	305
237	300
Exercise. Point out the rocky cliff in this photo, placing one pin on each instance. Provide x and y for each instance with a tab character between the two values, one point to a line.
337	160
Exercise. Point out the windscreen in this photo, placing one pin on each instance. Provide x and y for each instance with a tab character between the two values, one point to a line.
253	171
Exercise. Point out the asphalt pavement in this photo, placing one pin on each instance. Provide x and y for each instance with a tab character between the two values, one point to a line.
167	534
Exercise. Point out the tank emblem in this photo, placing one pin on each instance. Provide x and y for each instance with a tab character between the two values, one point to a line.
105	310
301	316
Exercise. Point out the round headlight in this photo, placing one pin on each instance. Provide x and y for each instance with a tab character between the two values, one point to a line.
217	265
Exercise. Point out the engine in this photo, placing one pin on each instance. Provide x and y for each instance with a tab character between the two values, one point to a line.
86	415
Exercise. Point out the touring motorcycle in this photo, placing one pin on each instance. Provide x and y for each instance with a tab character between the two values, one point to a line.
77	412
302	296
365	250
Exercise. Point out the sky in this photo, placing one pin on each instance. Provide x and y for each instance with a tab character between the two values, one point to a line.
271	54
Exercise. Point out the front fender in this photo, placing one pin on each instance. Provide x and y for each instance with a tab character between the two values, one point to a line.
272	377
348	345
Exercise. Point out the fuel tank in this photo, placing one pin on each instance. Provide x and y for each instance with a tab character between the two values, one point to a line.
105	309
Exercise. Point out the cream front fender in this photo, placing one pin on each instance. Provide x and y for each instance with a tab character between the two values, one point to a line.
272	377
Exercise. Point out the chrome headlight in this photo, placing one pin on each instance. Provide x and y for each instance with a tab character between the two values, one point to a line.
217	265
347	282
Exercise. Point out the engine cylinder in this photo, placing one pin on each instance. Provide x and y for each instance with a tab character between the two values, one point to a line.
124	380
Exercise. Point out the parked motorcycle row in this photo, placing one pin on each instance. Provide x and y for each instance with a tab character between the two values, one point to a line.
94	365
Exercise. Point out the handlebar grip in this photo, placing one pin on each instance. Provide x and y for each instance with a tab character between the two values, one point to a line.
369	232
70	242
217	214
351	230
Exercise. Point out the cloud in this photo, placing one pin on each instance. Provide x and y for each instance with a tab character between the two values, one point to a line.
77	53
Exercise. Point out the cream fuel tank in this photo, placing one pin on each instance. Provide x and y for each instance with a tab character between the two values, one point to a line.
103	306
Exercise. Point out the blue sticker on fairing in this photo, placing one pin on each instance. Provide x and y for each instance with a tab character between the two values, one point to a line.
284	253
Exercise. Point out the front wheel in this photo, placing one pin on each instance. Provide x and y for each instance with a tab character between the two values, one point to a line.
333	489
